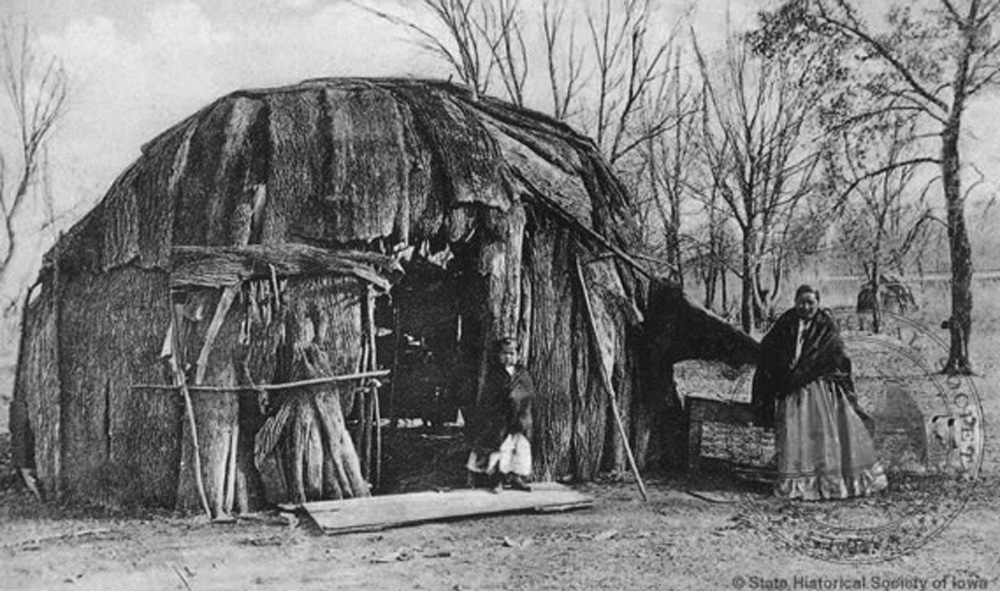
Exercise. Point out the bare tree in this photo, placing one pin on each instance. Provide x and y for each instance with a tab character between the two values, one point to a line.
617	84
470	47
712	253
886	218
669	157
760	155
564	65
626	57
796	236
505	38
935	56
629	62
35	89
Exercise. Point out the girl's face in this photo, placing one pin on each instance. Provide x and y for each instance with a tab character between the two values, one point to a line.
508	358
806	305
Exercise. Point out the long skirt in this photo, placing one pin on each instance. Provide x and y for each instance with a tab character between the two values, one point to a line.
513	457
824	449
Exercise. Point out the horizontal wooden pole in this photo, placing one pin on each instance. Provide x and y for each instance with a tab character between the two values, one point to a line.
269	387
221	266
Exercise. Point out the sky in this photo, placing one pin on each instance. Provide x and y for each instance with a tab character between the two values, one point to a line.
136	67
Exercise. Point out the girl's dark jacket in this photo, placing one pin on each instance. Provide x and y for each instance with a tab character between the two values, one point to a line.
506	407
822	356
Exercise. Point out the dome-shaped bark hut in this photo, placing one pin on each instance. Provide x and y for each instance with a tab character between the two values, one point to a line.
261	241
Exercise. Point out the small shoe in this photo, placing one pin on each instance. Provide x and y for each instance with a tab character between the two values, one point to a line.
518	483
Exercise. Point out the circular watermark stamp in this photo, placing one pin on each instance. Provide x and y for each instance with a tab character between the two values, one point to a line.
927	433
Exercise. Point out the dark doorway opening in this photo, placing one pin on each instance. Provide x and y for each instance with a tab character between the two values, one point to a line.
430	336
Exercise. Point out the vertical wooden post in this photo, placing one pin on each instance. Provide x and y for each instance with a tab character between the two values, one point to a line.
396	343
369	426
367	410
366	433
378	440
358	432
374	443
364	424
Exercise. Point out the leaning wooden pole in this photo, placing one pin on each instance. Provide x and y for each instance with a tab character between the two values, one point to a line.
189	410
613	399
181	380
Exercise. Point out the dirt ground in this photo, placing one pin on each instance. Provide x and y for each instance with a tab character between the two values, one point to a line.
692	534
675	541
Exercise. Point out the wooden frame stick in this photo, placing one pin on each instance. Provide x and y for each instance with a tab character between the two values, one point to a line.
181	380
269	387
612	398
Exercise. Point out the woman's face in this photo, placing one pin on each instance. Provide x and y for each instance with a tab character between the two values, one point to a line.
806	305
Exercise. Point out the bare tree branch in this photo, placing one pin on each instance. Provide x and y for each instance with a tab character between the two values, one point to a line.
761	156
467	59
564	80
36	91
855	29
956	17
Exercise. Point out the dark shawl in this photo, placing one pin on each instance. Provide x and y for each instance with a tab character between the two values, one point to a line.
822	356
506	406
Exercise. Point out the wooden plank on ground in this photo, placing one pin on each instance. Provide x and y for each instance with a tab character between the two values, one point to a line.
381	512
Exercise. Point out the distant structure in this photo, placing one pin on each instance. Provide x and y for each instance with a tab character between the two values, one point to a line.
896	296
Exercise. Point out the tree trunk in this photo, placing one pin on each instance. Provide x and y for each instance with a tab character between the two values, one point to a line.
747	282
778	277
711	279
876	300
961	254
675	243
660	427
759	295
725	292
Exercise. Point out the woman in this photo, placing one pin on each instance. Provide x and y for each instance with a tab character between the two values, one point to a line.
501	452
803	386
